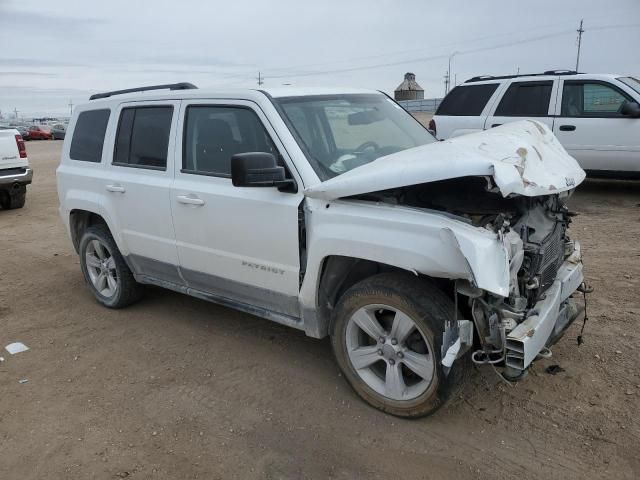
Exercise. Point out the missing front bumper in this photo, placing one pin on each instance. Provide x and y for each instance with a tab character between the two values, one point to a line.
549	318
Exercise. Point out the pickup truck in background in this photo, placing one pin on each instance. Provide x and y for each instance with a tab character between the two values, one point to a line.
15	173
596	117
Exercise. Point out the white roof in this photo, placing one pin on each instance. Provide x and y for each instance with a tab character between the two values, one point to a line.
278	92
527	78
246	93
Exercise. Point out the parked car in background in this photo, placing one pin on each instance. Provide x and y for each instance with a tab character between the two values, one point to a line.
40	132
337	213
58	131
24	132
595	117
15	173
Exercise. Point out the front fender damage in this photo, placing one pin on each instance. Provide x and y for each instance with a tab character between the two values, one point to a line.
487	262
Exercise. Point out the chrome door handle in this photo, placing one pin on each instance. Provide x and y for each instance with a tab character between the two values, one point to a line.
190	200
115	188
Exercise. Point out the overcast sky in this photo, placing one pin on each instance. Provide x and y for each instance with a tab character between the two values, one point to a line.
52	52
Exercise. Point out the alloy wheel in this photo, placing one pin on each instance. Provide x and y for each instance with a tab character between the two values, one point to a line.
101	268
389	352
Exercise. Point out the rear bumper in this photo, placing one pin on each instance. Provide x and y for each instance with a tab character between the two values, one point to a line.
15	176
549	318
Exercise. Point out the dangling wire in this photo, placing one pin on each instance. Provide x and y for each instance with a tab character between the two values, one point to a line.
584	289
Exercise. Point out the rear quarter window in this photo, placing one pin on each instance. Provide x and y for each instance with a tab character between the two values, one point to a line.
467	100
88	136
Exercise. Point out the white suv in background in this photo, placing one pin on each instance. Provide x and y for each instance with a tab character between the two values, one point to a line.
337	213
595	117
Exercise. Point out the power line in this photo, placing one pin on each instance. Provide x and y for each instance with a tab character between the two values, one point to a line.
473	40
293	73
429	58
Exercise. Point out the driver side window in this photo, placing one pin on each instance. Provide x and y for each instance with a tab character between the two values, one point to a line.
213	134
590	99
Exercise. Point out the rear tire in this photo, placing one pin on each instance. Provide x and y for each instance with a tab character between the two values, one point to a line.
11	201
105	270
402	376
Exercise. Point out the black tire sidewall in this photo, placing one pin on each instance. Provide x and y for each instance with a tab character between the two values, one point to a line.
428	307
11	201
104	237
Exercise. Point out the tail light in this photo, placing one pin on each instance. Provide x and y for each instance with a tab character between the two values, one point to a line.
432	126
21	148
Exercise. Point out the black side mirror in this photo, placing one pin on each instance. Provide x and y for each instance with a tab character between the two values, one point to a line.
630	109
259	169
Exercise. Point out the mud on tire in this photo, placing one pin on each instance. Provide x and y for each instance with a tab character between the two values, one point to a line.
429	309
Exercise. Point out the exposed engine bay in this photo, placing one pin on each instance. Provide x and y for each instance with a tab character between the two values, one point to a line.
534	232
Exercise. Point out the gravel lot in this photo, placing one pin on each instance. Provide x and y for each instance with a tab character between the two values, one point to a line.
175	387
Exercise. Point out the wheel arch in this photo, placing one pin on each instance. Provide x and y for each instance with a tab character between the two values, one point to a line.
80	220
338	273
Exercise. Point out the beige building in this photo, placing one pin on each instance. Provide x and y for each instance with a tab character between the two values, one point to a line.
409	89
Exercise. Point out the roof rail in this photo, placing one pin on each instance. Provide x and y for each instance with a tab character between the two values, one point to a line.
170	86
480	78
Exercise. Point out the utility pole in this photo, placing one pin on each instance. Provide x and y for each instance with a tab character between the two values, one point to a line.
70	108
449	71
446	83
15	112
260	79
580	32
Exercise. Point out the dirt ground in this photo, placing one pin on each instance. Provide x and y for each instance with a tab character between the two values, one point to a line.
178	388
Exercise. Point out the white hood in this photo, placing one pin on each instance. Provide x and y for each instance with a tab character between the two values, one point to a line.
523	157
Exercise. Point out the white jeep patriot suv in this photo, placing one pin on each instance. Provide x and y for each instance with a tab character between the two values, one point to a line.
334	212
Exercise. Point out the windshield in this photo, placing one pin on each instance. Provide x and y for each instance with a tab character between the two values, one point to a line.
631	82
341	132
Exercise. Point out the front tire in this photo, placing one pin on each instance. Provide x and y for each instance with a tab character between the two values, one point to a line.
387	338
105	270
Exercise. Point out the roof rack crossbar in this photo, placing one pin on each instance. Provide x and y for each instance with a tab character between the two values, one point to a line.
170	86
480	78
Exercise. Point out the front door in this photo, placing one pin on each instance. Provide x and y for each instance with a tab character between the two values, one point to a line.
241	244
592	129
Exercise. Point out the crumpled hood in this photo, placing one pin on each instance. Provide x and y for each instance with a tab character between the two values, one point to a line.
523	158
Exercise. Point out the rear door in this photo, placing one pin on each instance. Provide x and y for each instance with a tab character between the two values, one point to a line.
592	129
525	99
138	182
239	244
463	109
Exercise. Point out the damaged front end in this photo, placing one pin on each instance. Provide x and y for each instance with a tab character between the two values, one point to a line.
545	269
517	324
499	197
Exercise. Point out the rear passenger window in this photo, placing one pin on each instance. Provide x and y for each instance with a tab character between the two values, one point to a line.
88	136
526	99
467	100
213	135
143	137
